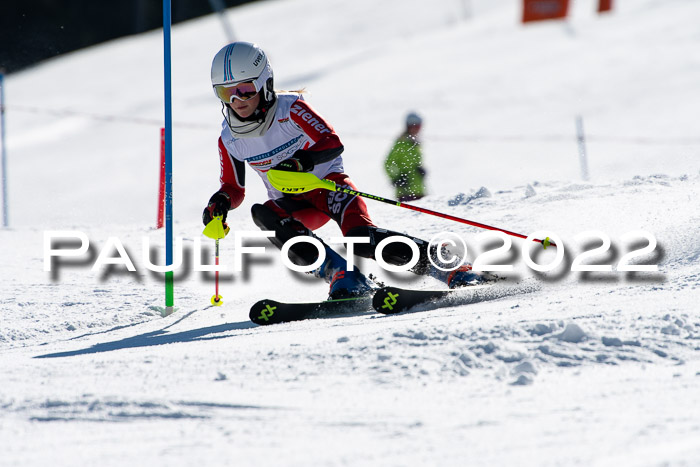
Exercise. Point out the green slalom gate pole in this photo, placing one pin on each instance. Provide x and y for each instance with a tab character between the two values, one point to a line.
301	182
169	275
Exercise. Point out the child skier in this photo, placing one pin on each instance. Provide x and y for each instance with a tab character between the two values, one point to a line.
267	129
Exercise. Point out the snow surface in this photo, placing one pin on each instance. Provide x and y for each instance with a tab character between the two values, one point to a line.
598	368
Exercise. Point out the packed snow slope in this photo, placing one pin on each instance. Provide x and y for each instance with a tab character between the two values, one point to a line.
594	368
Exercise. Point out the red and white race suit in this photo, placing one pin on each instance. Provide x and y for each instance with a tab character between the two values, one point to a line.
295	126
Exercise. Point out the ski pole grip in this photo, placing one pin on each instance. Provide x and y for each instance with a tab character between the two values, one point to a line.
297	182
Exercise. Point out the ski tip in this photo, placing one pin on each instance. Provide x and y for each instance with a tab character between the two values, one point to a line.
385	301
263	312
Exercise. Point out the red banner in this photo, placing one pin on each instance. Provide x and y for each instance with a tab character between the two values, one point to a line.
161	184
538	10
604	5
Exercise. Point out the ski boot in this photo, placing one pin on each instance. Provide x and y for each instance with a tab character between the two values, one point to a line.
460	277
343	283
457	276
464	276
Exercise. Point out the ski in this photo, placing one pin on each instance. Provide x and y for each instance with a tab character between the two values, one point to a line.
391	300
386	300
268	311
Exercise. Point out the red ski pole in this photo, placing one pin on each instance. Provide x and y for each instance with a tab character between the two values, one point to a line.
161	184
300	182
216	230
217	300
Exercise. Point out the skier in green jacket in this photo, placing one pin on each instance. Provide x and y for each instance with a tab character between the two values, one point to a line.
404	164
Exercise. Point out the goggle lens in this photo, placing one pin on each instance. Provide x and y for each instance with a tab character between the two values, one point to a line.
240	91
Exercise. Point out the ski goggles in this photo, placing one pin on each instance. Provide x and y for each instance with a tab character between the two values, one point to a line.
241	91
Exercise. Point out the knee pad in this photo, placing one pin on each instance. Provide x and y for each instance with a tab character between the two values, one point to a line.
285	228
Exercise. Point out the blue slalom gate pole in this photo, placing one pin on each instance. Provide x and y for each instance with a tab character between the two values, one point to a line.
3	152
169	282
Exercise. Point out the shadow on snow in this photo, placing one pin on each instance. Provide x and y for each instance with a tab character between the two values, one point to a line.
158	337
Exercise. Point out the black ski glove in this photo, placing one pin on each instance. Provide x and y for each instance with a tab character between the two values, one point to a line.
219	204
301	161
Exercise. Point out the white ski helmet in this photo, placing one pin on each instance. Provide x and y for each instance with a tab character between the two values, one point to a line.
240	62
234	65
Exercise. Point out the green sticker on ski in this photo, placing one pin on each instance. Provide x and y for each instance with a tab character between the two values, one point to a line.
267	312
390	301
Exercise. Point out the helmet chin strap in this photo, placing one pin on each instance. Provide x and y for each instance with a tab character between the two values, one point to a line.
253	125
230	113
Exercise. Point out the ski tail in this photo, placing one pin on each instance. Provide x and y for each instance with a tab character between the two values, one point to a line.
268	311
392	300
